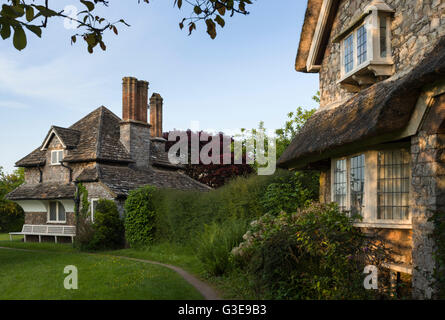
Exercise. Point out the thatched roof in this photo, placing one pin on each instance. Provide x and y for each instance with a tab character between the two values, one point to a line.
375	114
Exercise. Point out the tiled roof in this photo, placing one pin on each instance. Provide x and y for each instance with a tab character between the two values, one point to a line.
122	179
43	191
35	158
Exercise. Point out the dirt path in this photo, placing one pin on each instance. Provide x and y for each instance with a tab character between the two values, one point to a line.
206	291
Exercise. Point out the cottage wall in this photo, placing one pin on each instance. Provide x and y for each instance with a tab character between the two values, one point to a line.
415	29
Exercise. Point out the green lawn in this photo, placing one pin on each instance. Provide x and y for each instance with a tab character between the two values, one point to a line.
39	275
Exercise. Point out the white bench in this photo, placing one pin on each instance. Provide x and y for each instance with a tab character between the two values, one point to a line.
46	230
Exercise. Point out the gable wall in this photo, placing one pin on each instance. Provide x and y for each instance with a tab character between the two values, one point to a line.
416	28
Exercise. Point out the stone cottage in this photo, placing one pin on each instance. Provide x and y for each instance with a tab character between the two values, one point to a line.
378	138
110	156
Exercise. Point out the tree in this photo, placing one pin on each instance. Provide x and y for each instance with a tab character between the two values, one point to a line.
16	16
11	214
214	174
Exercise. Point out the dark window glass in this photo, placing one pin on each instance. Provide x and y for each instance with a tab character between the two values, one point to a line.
53	211
62	214
383	38
340	184
393	185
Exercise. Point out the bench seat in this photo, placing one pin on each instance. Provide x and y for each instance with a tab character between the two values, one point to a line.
46	230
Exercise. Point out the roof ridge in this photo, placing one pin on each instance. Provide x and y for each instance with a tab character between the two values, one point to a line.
99	132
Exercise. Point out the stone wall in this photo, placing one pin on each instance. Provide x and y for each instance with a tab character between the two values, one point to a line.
428	195
54	172
42	218
136	139
416	28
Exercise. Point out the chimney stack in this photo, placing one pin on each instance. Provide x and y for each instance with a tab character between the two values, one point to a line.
156	103
134	129
134	100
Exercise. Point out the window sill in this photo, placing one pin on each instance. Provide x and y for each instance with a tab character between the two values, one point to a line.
385	225
56	222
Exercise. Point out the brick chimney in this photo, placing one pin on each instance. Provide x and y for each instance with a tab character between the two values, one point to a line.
134	129
156	102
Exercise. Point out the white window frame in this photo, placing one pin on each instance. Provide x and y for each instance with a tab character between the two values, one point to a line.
48	218
59	156
92	208
373	56
370	201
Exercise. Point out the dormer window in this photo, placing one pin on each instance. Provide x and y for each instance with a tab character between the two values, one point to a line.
56	157
366	48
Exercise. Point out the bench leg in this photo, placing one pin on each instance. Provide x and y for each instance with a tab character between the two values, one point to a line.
40	238
24	236
72	240
10	237
55	237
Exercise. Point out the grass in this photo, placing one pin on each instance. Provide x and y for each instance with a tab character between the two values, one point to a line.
5	236
39	275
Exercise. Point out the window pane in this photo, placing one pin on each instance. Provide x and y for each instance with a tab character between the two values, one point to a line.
357	183
383	48
60	156
349	53
393	185
362	48
52	211
340	183
62	214
54	157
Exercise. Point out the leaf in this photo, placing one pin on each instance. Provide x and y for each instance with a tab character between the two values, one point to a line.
115	30
197	9
211	28
36	30
73	39
220	21
88	4
29	13
19	39
5	31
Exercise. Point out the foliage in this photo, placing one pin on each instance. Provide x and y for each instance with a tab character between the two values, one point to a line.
84	227
108	227
313	254
216	242
215	174
289	194
11	214
181	215
18	16
140	216
438	236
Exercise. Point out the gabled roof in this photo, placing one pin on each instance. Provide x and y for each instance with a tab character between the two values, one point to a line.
377	114
121	179
68	138
96	137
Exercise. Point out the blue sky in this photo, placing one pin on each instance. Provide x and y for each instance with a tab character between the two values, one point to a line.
244	76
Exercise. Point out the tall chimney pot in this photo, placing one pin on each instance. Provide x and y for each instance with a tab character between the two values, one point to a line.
156	103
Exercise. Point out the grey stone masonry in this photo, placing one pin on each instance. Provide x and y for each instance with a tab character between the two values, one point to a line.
428	195
135	136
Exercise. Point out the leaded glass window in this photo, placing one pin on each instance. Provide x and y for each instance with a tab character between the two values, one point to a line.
362	48
357	182
393	185
349	53
383	31
340	184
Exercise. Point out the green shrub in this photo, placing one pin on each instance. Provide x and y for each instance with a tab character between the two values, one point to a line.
215	244
181	215
140	216
313	254
108	227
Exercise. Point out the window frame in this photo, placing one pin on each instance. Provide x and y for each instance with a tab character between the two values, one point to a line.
48	218
370	193
58	152
92	210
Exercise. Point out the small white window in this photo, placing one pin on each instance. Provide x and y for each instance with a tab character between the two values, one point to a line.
56	212
56	157
94	203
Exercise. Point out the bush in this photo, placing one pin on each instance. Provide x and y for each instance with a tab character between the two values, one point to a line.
215	244
181	215
140	216
108	227
313	254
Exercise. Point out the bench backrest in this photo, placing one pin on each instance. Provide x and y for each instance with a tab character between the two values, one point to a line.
50	230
